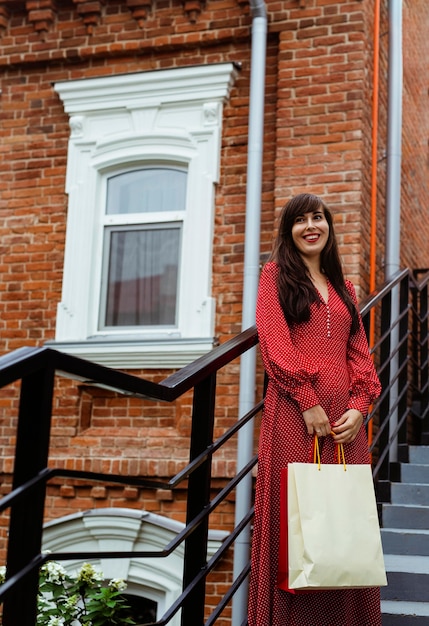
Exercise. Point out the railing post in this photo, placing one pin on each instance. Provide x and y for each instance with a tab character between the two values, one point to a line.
384	410
26	516
403	358
198	498
423	358
415	350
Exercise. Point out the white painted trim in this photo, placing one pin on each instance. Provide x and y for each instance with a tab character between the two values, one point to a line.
128	121
195	83
162	354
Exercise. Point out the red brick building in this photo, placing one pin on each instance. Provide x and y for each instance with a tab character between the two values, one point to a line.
123	160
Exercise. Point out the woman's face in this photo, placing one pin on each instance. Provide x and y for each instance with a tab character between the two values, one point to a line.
310	233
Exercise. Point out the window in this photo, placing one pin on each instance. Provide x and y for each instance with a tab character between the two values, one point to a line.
142	167
141	252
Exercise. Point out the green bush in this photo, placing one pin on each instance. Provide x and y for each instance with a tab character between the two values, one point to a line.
66	600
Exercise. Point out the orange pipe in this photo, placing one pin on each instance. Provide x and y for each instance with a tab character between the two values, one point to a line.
374	164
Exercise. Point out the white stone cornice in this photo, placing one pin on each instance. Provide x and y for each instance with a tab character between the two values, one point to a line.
212	82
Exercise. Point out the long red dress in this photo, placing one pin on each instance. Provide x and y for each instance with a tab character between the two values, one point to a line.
316	362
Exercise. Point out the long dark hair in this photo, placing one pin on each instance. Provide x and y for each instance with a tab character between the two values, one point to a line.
295	288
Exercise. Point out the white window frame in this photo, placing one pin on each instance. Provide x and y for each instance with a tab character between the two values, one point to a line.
171	117
114	222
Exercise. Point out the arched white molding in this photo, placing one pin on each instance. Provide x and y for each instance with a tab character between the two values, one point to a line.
120	529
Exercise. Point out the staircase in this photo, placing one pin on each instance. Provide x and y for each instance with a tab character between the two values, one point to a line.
405	536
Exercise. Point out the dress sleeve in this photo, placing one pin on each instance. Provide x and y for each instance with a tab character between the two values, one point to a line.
364	384
284	364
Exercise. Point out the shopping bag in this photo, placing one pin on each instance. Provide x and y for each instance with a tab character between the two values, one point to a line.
333	534
283	564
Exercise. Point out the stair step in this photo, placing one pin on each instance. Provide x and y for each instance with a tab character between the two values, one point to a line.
410	493
405	541
405	516
406	587
415	564
397	613
408	578
419	455
415	473
405	538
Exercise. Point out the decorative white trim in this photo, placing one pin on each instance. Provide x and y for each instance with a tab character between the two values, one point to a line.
119	529
186	84
125	122
150	354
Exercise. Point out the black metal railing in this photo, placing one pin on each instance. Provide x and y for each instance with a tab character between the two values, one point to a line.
37	370
396	321
420	352
386	317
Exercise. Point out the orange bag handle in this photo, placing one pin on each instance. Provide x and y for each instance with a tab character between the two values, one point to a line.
339	453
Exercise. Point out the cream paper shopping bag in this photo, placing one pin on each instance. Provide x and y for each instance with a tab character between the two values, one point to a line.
333	530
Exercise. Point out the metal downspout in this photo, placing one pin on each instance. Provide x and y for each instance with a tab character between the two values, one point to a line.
374	189
394	134
250	289
393	186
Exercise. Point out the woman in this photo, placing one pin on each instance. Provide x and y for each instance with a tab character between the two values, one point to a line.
321	381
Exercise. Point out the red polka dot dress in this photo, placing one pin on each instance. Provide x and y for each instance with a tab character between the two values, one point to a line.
316	362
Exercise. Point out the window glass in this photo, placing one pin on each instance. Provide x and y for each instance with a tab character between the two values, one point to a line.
146	190
141	258
142	276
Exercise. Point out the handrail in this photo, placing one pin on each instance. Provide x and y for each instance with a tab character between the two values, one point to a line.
424	281
376	297
37	368
24	361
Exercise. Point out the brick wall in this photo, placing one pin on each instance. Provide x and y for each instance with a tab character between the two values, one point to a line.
317	137
322	118
415	137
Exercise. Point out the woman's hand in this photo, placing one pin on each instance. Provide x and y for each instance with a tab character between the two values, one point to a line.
317	421
347	427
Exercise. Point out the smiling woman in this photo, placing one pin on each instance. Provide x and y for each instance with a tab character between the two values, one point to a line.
310	233
321	381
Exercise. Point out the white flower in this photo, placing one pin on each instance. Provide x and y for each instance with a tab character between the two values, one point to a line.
2	573
55	573
56	621
118	584
88	574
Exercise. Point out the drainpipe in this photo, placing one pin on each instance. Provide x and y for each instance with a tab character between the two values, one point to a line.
250	289
374	166
393	186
